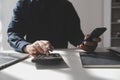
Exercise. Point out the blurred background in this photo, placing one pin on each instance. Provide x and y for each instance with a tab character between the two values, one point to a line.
93	13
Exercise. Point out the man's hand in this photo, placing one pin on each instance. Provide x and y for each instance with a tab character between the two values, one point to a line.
37	47
89	46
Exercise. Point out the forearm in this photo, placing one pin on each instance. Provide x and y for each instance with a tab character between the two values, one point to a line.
16	41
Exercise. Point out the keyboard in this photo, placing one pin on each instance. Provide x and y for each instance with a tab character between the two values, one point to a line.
53	58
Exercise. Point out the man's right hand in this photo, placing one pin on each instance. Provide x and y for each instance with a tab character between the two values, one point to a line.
42	46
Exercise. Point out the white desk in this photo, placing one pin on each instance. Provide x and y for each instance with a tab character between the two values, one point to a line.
26	70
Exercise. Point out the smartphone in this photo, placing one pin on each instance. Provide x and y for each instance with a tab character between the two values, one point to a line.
97	32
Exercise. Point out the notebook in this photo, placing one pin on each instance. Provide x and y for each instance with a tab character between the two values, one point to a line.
7	59
101	59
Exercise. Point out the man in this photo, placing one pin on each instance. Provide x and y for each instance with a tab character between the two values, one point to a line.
38	26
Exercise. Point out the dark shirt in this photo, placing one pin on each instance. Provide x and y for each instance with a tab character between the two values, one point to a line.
52	20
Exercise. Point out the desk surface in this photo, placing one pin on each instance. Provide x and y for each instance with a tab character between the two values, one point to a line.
26	70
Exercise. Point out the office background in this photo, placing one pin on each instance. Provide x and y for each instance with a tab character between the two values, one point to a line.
91	13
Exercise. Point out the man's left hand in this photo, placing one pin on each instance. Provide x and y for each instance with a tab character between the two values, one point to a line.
89	46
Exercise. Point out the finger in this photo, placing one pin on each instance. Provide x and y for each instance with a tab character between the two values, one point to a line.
51	48
86	36
48	46
38	48
87	48
89	43
80	46
44	47
96	39
47	54
32	51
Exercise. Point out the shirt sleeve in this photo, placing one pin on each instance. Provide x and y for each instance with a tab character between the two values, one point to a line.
16	28
74	32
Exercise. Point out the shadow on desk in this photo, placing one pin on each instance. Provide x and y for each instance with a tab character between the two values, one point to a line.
77	72
61	65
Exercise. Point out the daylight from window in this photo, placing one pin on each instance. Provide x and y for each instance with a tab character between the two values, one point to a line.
0	25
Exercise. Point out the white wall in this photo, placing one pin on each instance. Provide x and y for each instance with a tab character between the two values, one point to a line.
90	12
7	7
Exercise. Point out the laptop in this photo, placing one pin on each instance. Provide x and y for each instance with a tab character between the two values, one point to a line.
100	59
115	49
8	59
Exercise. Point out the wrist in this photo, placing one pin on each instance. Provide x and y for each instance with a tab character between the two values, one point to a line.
25	48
